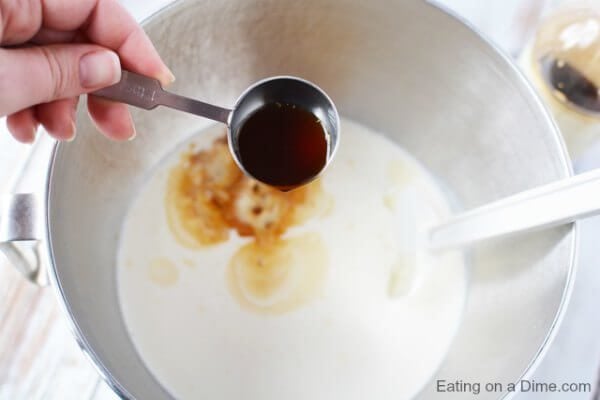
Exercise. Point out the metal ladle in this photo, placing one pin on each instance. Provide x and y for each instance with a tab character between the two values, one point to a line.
147	93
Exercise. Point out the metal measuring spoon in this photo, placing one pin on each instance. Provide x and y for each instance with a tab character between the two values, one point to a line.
147	93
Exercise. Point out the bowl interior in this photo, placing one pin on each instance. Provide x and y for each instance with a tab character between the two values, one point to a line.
403	68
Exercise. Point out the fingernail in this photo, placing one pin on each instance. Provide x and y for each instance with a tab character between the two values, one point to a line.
31	136
132	136
99	69
71	133
133	132
166	77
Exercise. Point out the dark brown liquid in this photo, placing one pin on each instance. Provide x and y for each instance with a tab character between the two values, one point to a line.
208	197
283	145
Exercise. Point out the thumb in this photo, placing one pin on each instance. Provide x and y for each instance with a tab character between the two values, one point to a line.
34	75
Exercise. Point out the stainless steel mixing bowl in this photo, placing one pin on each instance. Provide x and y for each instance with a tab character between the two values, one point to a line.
405	68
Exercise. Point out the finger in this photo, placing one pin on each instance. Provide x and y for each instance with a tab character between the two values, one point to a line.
112	119
51	36
23	125
43	74
19	20
58	118
107	23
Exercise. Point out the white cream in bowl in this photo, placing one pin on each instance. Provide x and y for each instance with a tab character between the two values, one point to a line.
352	307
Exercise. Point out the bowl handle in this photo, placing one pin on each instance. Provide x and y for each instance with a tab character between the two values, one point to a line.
21	232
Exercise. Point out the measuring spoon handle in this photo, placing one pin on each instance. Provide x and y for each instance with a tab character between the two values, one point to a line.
147	93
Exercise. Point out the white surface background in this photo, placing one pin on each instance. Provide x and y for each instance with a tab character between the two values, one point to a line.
40	360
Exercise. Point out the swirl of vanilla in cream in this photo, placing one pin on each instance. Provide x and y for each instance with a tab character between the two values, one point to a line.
340	301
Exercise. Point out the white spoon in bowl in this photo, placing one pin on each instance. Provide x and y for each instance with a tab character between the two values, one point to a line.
549	205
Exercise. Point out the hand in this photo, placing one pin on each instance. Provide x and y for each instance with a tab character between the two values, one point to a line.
55	50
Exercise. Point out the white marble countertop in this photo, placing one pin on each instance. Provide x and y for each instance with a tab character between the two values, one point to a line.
40	360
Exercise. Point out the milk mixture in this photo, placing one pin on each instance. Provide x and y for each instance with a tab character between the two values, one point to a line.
337	300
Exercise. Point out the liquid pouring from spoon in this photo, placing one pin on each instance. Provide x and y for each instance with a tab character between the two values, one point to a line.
282	131
554	204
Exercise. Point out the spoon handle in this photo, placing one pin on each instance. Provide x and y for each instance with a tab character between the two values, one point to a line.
147	93
549	205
